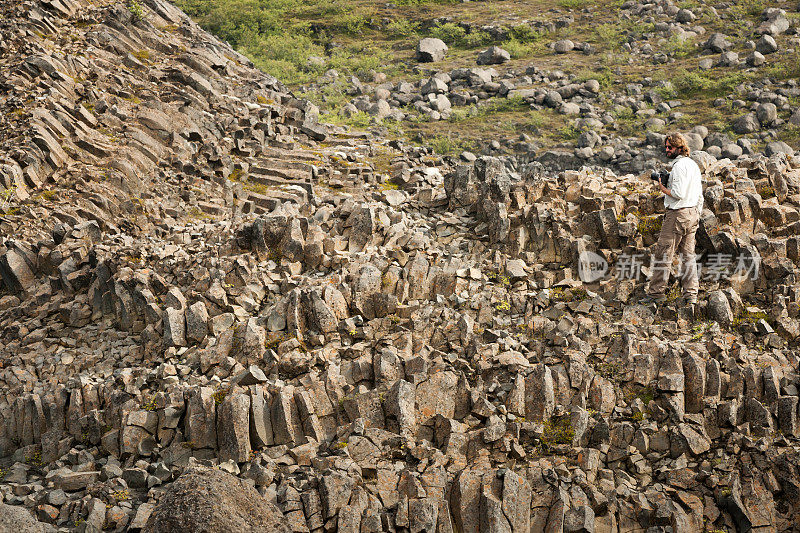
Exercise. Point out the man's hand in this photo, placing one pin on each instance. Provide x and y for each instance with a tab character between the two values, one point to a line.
664	189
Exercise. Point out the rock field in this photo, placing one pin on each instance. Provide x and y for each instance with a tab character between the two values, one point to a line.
219	314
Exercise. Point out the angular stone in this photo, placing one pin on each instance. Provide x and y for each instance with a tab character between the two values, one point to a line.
431	50
15	271
174	324
73	481
540	400
233	428
197	322
517	501
200	422
493	56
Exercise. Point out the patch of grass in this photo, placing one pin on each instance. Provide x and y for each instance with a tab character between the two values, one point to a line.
358	120
519	49
708	85
603	76
649	225
448	144
423	2
614	35
402	28
569	132
457	36
678	48
557	430
575	4
610	371
142	55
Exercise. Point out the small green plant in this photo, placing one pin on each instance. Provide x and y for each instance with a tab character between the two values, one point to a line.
121	495
34	460
503	306
610	371
699	329
574	4
638	416
766	192
219	395
673	294
151	404
454	35
136	9
3	473
557	430
402	28
649	225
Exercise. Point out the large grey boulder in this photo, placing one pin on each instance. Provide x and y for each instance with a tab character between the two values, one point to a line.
430	50
746	124
14	519
208	499
718	42
778	147
766	113
767	45
493	56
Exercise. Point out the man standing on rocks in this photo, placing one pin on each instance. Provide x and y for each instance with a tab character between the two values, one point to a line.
683	201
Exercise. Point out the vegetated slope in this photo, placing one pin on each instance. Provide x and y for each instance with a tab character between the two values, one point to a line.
660	65
196	273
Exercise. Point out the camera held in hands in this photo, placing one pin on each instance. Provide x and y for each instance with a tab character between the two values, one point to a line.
660	175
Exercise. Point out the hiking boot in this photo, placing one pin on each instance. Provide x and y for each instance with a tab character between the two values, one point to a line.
651	299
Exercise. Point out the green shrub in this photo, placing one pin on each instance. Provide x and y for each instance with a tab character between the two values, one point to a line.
692	83
352	23
574	4
569	132
557	430
603	76
423	2
520	49
454	35
679	48
357	120
524	34
447	144
137	12
402	28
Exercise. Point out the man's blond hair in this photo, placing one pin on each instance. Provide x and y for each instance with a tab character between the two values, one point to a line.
676	140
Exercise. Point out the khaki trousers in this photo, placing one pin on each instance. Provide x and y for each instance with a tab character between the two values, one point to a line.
677	234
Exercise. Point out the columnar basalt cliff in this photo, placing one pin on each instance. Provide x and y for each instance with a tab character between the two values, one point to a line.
216	312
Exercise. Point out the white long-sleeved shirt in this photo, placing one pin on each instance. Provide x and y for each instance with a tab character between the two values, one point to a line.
685	185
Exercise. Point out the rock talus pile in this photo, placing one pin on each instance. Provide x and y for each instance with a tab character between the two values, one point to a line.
218	314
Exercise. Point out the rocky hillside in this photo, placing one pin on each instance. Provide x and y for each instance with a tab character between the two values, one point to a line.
217	313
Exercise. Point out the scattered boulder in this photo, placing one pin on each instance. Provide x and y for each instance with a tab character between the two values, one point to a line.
431	50
493	56
208	499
